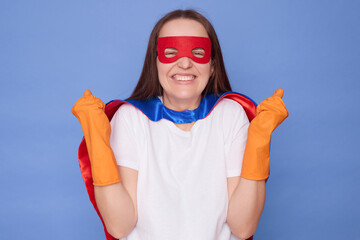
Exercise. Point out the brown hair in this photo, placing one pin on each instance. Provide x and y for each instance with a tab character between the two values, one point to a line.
149	86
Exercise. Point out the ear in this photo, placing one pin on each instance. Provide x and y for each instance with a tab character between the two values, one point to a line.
212	68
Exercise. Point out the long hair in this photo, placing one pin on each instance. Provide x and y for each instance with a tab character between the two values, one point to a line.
149	86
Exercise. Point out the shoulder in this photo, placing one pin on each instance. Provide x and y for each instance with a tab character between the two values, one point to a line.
127	108
130	121
230	107
128	111
128	115
231	116
226	102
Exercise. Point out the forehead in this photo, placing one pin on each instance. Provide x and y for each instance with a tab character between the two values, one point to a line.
183	27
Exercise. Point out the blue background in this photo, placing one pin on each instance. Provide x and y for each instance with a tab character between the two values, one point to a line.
51	51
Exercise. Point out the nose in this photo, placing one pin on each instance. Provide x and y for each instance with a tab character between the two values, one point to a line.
185	63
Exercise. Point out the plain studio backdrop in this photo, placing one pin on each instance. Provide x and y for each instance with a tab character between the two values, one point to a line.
51	51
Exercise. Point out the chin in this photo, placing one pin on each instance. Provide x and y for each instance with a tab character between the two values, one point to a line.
185	95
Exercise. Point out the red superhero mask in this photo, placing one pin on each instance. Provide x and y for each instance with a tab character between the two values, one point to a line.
171	49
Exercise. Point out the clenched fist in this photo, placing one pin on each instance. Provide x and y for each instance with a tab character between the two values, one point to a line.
87	105
270	113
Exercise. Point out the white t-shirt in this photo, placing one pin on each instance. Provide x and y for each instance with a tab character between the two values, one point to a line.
182	175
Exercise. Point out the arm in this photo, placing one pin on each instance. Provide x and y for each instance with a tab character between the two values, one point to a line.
115	196
117	203
246	202
247	192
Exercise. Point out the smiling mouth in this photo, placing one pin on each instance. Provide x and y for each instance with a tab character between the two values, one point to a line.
183	77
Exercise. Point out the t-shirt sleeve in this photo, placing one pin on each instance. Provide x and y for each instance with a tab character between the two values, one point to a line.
237	124
123	137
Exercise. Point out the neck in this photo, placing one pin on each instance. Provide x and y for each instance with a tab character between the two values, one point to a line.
181	104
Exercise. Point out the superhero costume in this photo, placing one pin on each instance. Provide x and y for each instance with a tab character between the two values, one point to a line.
169	50
155	111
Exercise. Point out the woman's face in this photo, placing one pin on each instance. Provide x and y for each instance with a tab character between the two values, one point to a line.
184	79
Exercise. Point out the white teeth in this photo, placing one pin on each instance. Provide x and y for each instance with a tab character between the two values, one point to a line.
184	78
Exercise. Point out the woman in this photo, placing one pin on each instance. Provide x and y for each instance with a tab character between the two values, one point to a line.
183	176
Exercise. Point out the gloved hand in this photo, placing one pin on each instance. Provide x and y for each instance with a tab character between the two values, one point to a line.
270	113
89	110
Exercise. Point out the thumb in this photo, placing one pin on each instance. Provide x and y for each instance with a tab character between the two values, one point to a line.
87	93
279	93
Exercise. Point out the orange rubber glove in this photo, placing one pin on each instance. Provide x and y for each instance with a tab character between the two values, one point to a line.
89	110
270	113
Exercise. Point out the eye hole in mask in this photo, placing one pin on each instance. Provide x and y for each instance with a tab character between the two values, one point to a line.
170	52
